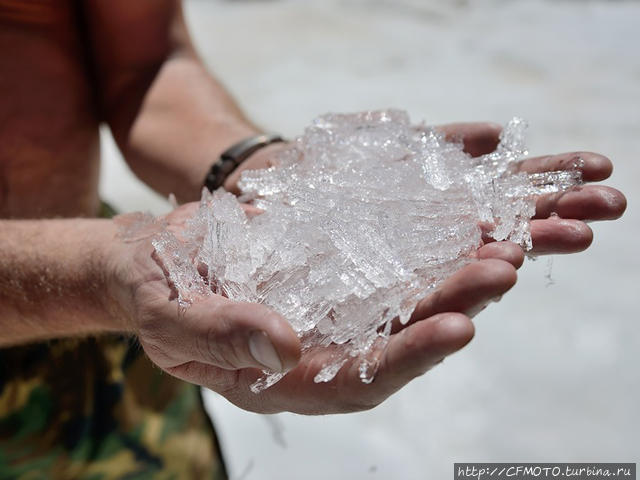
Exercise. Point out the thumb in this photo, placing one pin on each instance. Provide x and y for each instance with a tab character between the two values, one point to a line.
234	335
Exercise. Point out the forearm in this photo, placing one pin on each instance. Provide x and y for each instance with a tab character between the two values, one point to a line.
169	116
186	121
54	280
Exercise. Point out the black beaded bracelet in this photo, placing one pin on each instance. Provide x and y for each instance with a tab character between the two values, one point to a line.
234	156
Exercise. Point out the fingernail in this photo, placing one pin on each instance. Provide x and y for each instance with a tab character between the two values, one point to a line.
264	352
472	312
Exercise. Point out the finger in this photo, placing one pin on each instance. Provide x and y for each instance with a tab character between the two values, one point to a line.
592	202
558	236
507	251
264	157
479	138
594	167
235	335
251	211
469	289
419	348
183	212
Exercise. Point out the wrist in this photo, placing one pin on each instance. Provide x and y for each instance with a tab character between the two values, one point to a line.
114	261
234	156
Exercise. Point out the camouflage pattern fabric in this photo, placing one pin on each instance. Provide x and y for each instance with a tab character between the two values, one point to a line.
98	409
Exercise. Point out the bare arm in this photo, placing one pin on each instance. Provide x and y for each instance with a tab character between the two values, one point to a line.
170	117
53	280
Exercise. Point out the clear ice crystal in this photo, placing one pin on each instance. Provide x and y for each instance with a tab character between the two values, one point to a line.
364	215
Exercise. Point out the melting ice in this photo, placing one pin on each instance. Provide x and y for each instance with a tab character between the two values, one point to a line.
364	215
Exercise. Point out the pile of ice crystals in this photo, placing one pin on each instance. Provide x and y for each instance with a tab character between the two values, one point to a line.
364	215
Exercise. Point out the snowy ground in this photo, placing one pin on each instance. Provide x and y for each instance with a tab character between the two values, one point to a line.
552	374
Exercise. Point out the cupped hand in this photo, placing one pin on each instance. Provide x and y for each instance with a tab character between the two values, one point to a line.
224	345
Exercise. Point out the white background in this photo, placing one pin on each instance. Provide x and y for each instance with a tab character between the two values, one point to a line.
552	374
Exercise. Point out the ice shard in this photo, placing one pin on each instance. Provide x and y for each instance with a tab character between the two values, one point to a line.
364	215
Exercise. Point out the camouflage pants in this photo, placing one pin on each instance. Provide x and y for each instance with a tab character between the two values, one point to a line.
96	408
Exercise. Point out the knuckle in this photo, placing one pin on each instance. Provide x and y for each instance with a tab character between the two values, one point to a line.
226	383
157	348
219	342
500	272
221	347
570	161
409	342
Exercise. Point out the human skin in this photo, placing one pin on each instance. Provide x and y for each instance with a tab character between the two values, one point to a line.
74	276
